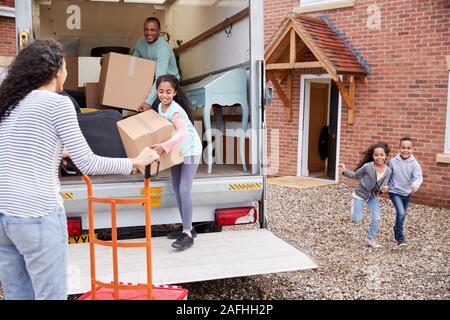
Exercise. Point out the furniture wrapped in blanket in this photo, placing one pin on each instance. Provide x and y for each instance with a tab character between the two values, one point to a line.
101	133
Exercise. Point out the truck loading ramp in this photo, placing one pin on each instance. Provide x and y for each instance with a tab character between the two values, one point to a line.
216	255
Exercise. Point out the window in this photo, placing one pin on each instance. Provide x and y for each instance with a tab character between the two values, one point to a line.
310	2
318	5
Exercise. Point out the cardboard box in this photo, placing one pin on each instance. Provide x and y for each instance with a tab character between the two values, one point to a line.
145	129
72	73
92	98
125	81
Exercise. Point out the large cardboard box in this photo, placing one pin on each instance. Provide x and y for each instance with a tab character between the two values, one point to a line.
145	129
125	81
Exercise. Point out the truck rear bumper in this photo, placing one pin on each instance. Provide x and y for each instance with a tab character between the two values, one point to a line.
207	195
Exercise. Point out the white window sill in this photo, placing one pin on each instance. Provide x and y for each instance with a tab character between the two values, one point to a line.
7	12
327	6
443	158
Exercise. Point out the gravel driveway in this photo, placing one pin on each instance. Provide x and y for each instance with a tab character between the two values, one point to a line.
317	221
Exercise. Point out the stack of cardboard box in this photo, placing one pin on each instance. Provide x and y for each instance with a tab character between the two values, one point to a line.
124	82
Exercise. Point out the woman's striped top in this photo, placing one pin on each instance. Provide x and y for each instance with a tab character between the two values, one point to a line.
32	139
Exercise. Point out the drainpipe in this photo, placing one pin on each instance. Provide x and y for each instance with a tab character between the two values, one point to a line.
24	24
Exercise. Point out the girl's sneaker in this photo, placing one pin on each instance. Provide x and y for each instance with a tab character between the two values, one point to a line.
175	235
184	242
373	244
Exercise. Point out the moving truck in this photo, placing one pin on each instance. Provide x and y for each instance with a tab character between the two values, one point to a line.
218	36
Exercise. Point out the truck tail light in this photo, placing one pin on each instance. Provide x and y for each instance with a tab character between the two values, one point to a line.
74	226
232	216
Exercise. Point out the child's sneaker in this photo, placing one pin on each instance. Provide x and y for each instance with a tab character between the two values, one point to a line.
373	244
184	242
175	235
401	242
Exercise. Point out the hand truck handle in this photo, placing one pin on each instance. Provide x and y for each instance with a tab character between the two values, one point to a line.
148	172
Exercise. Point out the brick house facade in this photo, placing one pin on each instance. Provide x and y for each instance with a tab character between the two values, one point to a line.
7	31
406	92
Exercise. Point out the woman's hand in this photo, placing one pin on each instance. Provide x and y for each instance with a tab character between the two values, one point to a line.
342	167
65	154
146	157
158	148
384	189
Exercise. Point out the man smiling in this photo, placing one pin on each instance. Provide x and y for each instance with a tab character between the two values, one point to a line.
151	46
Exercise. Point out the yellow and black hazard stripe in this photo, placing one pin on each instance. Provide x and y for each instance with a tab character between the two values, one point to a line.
67	195
244	186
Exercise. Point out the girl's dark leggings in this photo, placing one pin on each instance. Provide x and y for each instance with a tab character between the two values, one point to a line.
182	177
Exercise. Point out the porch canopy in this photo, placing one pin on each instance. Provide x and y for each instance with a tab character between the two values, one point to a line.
305	42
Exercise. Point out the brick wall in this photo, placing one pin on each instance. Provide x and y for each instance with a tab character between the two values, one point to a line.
7	36
7	3
406	92
7	32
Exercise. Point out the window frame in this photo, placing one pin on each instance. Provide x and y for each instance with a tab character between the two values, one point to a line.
321	5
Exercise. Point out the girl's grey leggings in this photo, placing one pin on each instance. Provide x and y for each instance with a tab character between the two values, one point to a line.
182	177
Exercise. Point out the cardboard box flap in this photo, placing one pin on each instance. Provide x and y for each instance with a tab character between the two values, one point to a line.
145	123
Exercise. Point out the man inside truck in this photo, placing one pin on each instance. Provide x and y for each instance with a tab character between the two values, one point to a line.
153	47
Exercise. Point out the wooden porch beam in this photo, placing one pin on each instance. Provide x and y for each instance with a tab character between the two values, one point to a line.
296	65
293	47
348	97
288	110
352	90
268	54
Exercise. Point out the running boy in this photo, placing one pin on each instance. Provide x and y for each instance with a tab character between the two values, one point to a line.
405	180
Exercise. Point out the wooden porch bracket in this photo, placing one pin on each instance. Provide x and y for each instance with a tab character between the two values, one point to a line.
286	98
348	97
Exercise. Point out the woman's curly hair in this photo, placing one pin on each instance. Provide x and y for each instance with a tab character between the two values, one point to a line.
367	155
35	65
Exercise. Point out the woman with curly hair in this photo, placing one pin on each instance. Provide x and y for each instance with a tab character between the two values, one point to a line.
36	124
